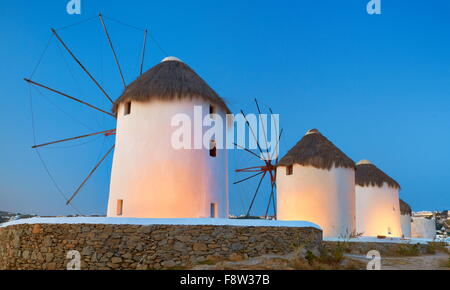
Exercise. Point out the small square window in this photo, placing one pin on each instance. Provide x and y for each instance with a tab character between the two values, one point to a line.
214	210
212	109
119	209
290	170
127	108
213	149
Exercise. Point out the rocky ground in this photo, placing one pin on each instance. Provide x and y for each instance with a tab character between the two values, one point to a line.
287	262
439	261
341	257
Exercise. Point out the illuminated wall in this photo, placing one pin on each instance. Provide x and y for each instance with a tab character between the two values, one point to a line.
324	197
156	181
406	225
378	211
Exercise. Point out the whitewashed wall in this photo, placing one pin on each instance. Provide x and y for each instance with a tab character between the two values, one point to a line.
156	181
406	225
324	197
423	228
378	211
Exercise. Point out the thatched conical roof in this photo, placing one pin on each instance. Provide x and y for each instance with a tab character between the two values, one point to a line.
170	80
367	174
405	209
316	150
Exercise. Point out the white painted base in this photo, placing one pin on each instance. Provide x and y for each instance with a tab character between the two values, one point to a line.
324	197
147	222
376	240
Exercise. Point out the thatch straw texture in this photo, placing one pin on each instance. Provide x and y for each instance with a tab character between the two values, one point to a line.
405	209
316	150
368	174
170	80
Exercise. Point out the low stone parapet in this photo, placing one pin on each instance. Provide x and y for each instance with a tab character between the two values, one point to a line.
118	246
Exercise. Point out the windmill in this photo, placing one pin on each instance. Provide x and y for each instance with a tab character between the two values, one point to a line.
60	92
267	160
266	169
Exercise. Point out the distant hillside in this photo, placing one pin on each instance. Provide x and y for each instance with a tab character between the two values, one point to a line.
7	216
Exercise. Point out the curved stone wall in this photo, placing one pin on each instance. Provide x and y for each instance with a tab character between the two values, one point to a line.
105	247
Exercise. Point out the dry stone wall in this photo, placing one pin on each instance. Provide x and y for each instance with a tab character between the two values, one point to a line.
114	247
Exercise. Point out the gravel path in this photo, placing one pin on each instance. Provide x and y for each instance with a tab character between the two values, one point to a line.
431	262
428	262
275	262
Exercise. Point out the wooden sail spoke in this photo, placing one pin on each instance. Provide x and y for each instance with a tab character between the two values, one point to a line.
81	65
248	178
277	147
70	97
107	133
269	167
271	200
251	131
90	175
112	48
143	51
276	133
256	193
262	126
274	185
247	150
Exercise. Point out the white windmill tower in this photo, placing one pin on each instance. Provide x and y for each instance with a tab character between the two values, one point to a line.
405	218
316	182
152	179
377	202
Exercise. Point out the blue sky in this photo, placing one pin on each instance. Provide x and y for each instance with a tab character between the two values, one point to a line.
377	86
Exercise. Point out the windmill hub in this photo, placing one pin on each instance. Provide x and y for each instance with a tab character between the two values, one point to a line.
171	58
312	131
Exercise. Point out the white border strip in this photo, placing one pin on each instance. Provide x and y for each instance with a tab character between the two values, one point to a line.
184	222
376	240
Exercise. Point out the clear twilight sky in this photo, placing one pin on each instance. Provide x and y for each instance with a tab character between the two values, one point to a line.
378	86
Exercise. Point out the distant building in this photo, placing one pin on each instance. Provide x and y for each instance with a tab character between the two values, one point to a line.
423	228
426	214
